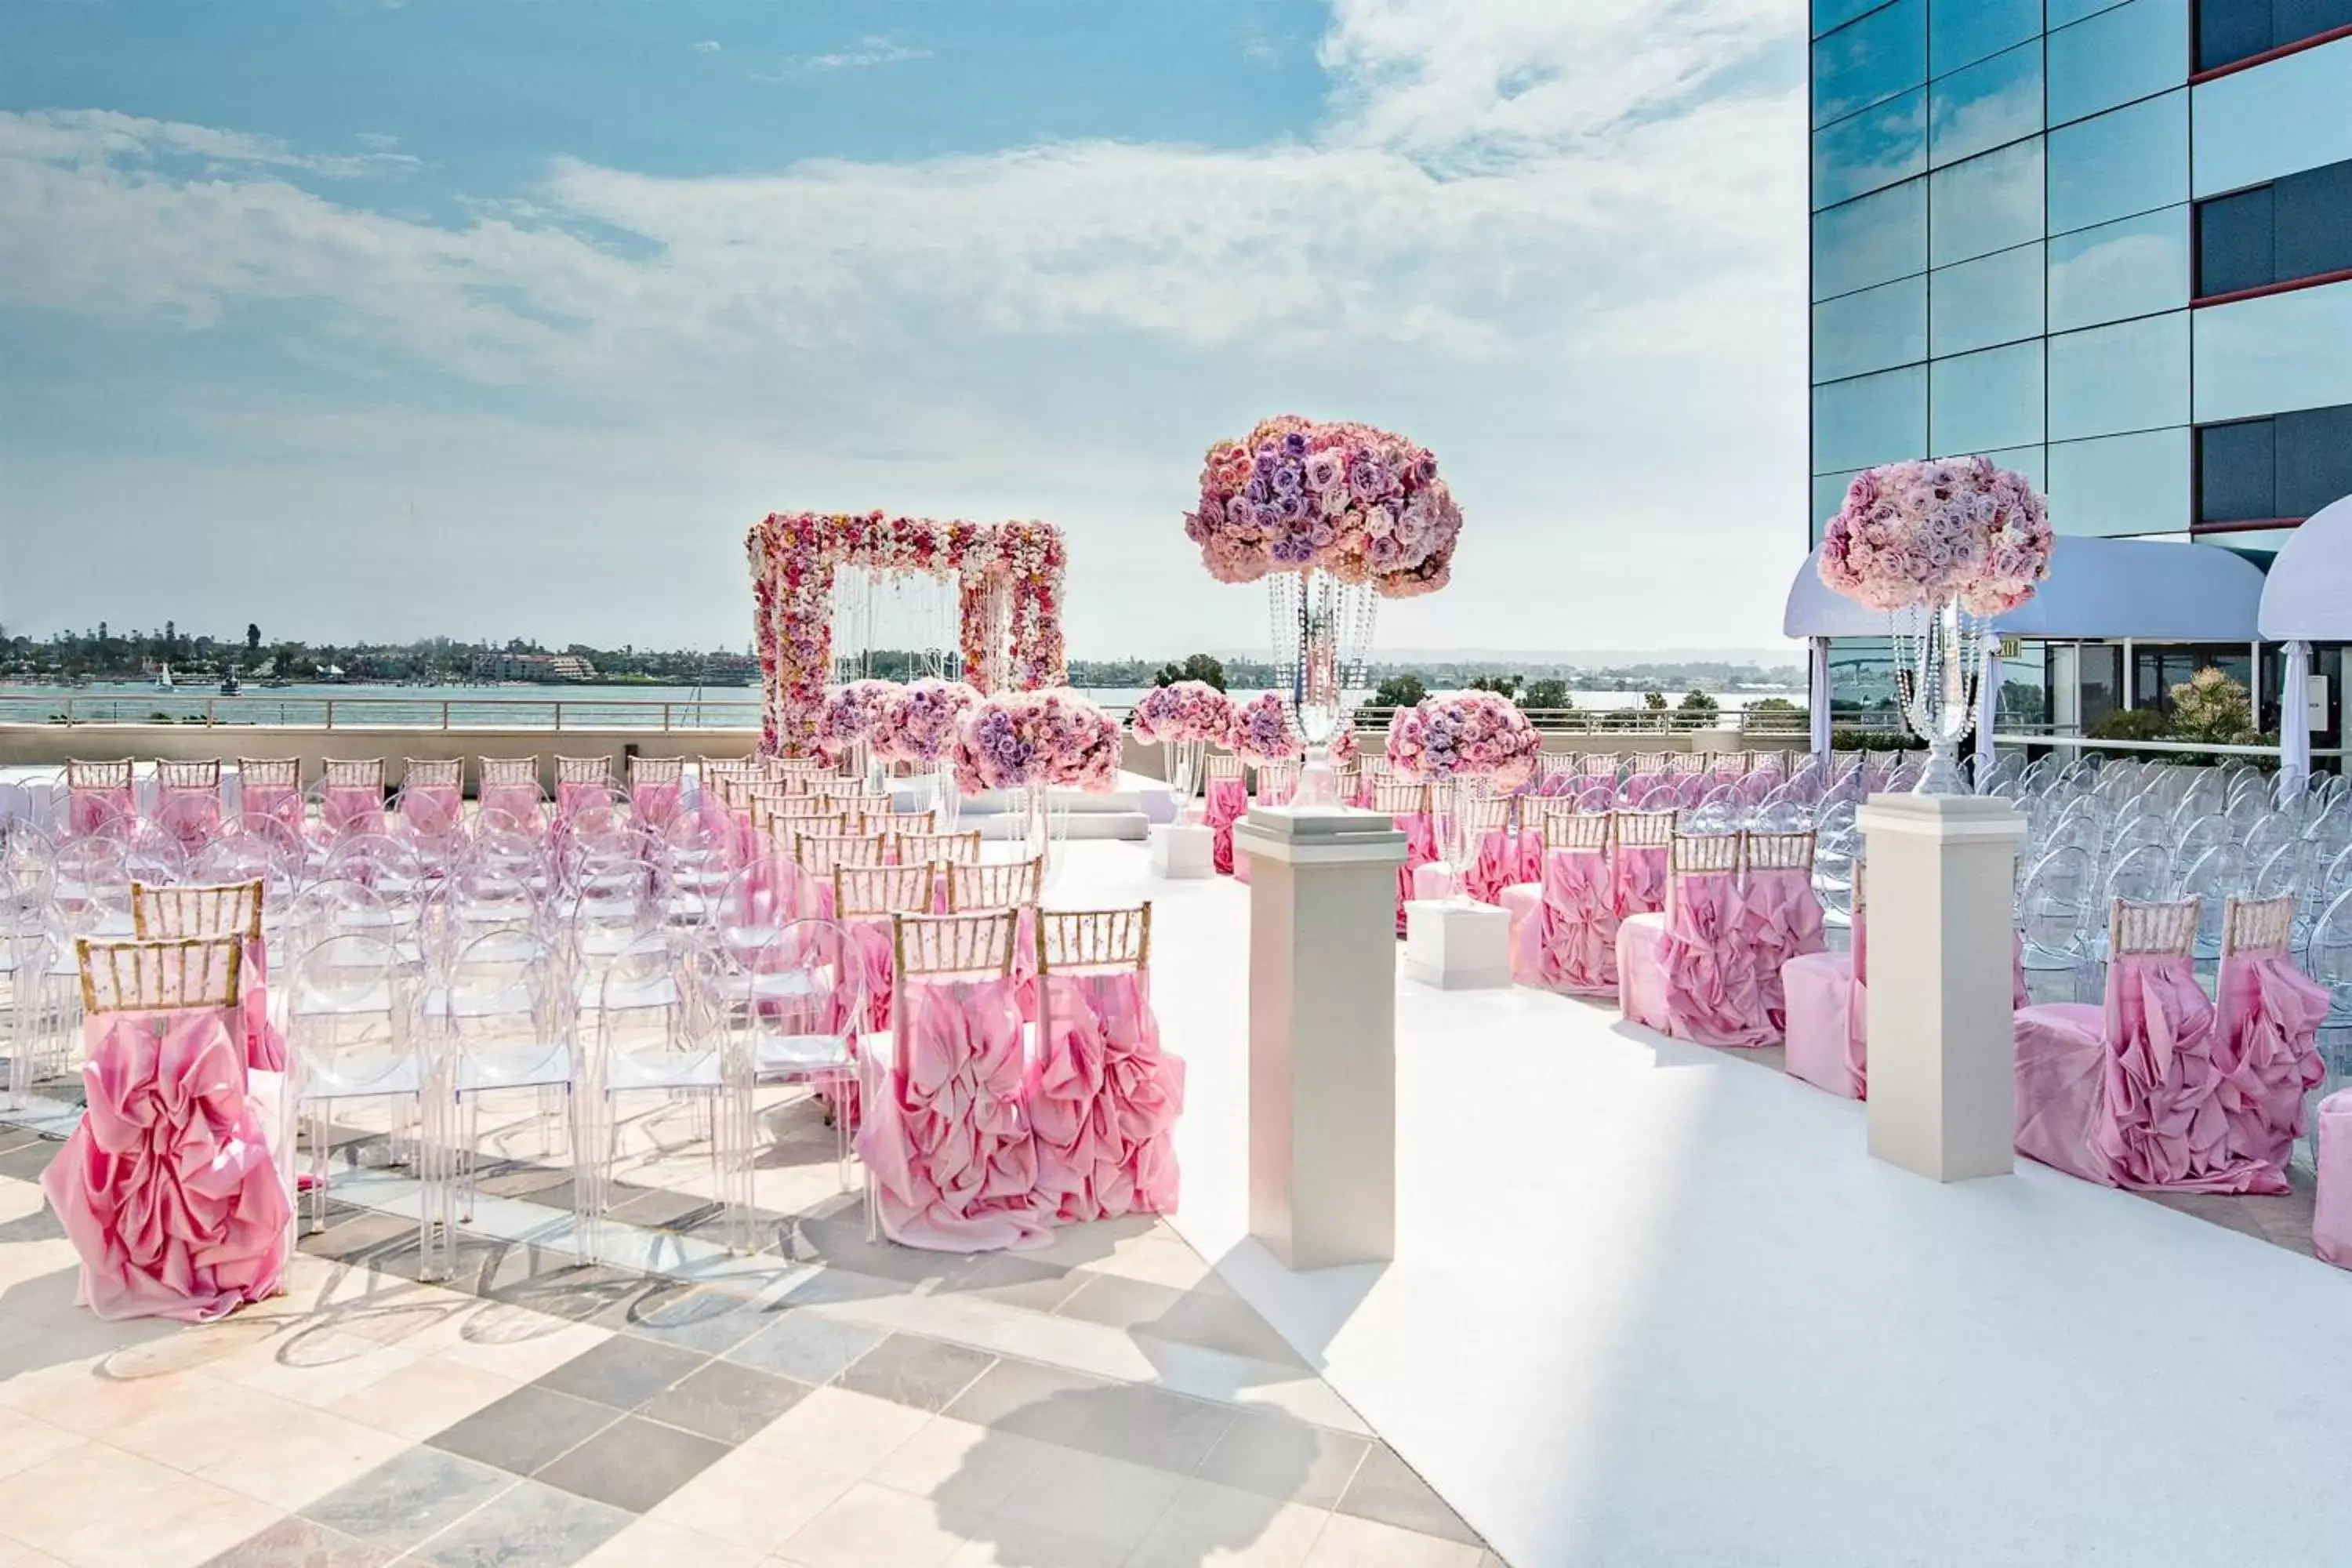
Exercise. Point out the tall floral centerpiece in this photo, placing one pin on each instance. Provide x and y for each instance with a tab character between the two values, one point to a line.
1182	718
1942	546
1031	742
917	726
1335	516
1472	744
1263	731
844	725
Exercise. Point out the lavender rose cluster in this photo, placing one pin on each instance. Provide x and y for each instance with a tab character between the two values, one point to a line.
1465	734
917	721
1021	739
1358	502
849	714
1182	711
1926	534
1262	731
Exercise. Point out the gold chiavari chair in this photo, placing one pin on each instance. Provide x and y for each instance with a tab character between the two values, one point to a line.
2255	925
1649	762
953	947
955	848
200	774
158	976
1277	780
873	890
270	772
992	885
1682	765
1791	851
1222	766
1077	941
1393	796
1597	765
232	908
1642	829
818	854
656	771
585	771
1572	829
447	772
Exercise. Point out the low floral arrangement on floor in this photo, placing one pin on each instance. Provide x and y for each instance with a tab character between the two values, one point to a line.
1262	731
1917	534
1182	711
1465	734
917	721
1024	740
1343	747
850	712
1299	494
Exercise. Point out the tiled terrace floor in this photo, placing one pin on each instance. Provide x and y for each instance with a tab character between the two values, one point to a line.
825	1403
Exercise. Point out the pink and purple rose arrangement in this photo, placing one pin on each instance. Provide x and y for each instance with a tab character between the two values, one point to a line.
1182	711
1024	740
1299	494
917	721
1262	731
1465	734
1924	533
849	714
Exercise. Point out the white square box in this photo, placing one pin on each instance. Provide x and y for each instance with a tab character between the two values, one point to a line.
1183	850
1457	946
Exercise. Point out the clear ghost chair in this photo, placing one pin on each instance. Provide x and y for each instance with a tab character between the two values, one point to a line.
28	955
2328	959
2193	840
338	906
2216	876
245	857
697	856
381	861
352	1036
662	1027
2054	913
91	889
505	1022
472	904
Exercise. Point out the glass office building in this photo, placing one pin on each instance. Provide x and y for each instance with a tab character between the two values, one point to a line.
2110	245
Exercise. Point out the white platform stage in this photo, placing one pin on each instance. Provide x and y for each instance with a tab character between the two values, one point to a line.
1654	1306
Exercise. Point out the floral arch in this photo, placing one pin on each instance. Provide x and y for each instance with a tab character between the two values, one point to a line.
1009	590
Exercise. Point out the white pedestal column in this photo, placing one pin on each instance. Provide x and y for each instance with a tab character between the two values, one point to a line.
1322	1032
1942	1051
1182	850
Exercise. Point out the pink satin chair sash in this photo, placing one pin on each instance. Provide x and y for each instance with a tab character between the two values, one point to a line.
1420	831
1778	918
520	801
278	803
87	805
655	805
265	1043
570	799
166	1189
1225	803
1711	994
434	809
1570	942
1641	879
351	807
1103	1098
2268	1017
2164	1124
944	1136
189	813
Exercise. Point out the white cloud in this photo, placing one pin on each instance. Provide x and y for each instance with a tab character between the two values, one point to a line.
875	49
1584	289
707	47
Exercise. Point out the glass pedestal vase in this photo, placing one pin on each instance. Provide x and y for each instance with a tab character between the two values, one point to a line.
1185	761
1458	831
1036	831
1938	663
947	801
1322	631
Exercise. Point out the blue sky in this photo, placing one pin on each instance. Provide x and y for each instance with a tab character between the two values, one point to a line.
500	318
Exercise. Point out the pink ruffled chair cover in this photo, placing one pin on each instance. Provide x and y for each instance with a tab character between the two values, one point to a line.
352	809
2268	1015
89	805
1103	1098
520	801
943	1137
1778	918
1568	942
1420	850
2130	1094
1640	872
434	809
265	1043
167	1189
1225	803
571	798
1711	995
2331	1217
655	805
279	803
1505	856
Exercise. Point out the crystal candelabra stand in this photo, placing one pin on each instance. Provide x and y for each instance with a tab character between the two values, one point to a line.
1938	661
1184	760
1322	633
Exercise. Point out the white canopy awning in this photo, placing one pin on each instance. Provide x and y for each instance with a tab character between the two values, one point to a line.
2110	588
2309	595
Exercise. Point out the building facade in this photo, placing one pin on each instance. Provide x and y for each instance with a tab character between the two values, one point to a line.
2109	245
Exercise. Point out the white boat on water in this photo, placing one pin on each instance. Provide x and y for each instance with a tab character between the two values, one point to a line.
164	676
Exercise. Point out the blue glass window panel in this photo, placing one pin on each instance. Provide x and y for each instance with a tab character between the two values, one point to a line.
2062	13
2237	472
1831	15
2315	222
1981	402
1867	151
1961	32
2130	52
2120	484
2315	458
1995	298
1880	237
2126	161
1989	203
1871	419
2233	242
2133	267
1988	105
2132	375
2276	353
1876	328
2280	119
1871	60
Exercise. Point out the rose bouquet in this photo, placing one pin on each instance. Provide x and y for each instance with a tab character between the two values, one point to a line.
1465	734
917	721
1299	494
1184	710
1029	740
1922	535
849	714
1262	731
1343	743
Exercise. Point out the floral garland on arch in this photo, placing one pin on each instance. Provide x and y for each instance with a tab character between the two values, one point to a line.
1182	711
1024	740
1263	731
1297	494
1465	734
1009	591
917	721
